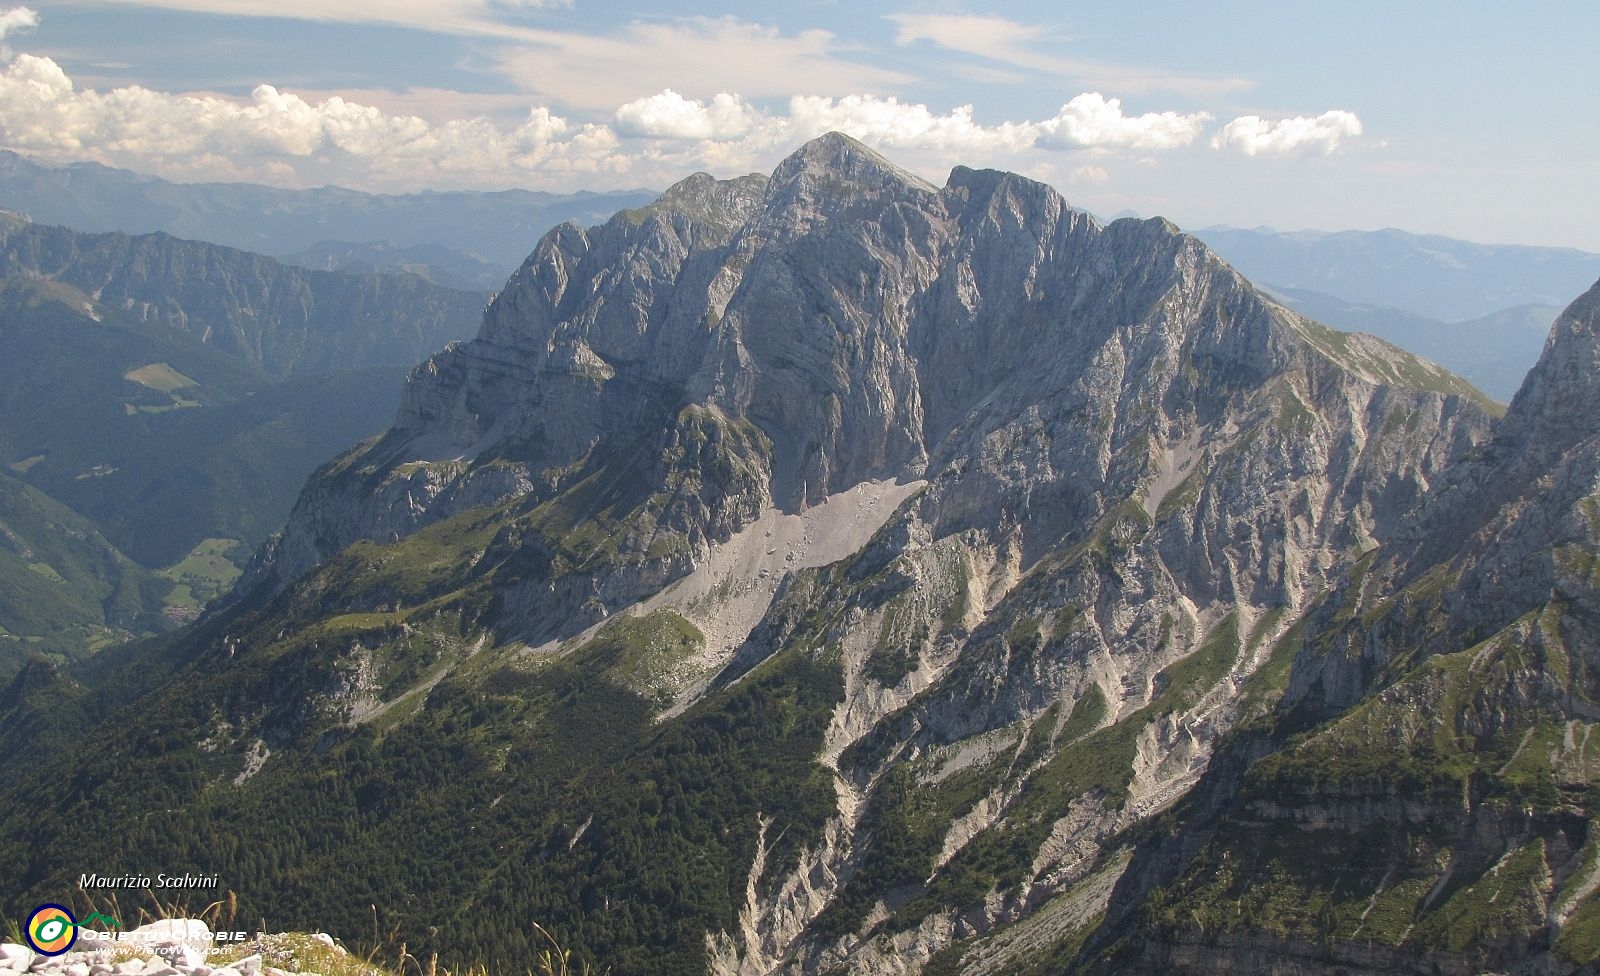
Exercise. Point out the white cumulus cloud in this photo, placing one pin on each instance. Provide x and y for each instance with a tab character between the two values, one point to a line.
17	18
405	141
13	20
1089	121
43	112
1255	136
1093	121
892	124
668	115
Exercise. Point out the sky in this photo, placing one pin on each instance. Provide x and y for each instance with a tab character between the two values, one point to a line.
1470	119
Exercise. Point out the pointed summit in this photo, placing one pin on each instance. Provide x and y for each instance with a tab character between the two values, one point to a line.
834	156
1550	425
1560	399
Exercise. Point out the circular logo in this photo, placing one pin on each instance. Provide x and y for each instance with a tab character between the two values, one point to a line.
51	930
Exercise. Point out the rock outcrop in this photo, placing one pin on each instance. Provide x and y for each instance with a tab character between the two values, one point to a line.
185	947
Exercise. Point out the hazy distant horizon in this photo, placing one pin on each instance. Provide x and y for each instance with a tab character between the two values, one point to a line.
1465	126
1102	217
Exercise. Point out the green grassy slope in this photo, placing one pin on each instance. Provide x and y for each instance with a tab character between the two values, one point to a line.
385	710
63	587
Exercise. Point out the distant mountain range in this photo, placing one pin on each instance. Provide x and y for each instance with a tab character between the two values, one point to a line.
1408	288
165	397
278	319
1439	278
1480	310
497	227
163	402
434	262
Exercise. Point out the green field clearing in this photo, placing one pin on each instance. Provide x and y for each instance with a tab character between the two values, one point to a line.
204	574
26	464
159	376
47	571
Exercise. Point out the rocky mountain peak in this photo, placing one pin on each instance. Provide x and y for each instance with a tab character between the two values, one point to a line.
863	323
1560	399
704	193
12	220
834	158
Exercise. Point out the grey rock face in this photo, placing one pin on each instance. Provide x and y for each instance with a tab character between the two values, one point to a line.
861	319
1501	519
1421	686
1559	404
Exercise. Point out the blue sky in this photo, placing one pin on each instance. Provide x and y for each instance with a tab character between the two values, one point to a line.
1470	119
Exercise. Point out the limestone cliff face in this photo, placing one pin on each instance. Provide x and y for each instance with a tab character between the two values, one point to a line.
1507	531
1435	812
1551	426
1141	477
866	323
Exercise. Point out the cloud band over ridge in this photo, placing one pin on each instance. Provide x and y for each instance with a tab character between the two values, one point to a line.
280	136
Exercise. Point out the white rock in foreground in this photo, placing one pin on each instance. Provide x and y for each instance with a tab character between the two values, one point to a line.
174	931
14	954
177	947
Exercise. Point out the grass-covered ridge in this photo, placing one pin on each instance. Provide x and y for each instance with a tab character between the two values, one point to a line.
1388	363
